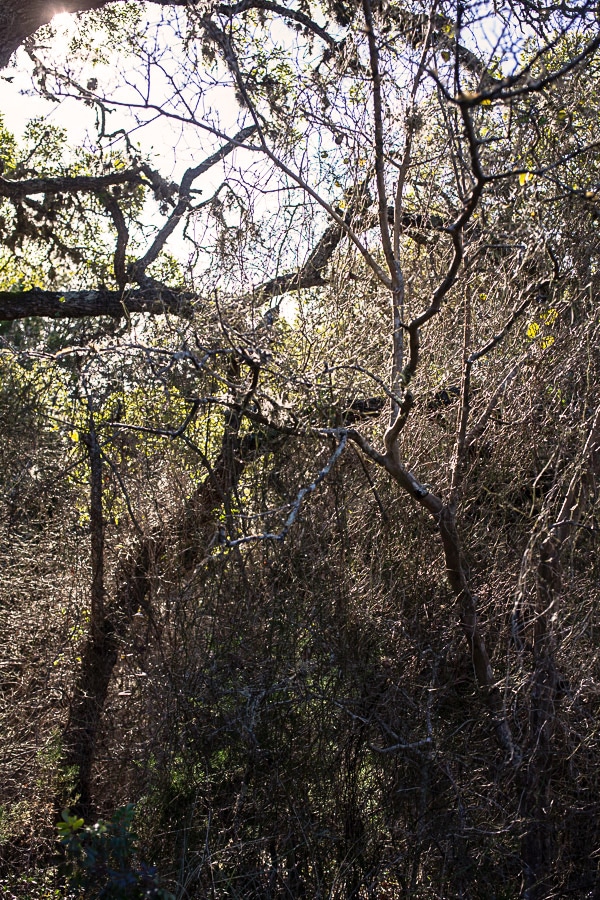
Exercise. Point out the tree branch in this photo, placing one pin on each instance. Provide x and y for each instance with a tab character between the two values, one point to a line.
138	269
155	299
231	10
67	184
414	28
116	214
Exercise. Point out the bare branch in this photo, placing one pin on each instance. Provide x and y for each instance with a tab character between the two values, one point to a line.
231	10
224	43
456	233
416	25
311	273
138	269
531	85
162	432
475	433
296	504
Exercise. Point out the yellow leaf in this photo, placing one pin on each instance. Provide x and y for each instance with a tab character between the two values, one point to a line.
550	317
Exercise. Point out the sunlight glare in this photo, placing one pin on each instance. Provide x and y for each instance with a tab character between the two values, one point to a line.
61	19
63	24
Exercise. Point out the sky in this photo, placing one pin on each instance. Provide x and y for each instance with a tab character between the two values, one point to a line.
172	146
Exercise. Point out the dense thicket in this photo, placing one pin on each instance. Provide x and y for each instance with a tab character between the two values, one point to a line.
300	440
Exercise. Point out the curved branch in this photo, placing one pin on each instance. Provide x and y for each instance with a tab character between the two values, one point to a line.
116	214
311	273
302	19
19	20
138	269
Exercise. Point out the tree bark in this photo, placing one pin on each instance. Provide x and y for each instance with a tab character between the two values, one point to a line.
111	620
100	646
538	842
19	19
155	299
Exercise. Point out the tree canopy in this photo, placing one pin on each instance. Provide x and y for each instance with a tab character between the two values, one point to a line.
301	433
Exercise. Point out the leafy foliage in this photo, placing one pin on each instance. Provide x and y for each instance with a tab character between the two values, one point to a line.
102	858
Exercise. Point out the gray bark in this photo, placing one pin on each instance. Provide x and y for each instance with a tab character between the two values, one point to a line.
19	19
103	302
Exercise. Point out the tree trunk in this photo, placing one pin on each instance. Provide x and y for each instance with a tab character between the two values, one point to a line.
467	602
111	621
98	660
100	646
538	842
19	19
537	846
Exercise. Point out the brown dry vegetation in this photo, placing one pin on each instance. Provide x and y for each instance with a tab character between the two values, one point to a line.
321	600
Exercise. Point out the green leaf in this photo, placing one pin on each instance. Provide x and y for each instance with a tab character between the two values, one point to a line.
69	826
